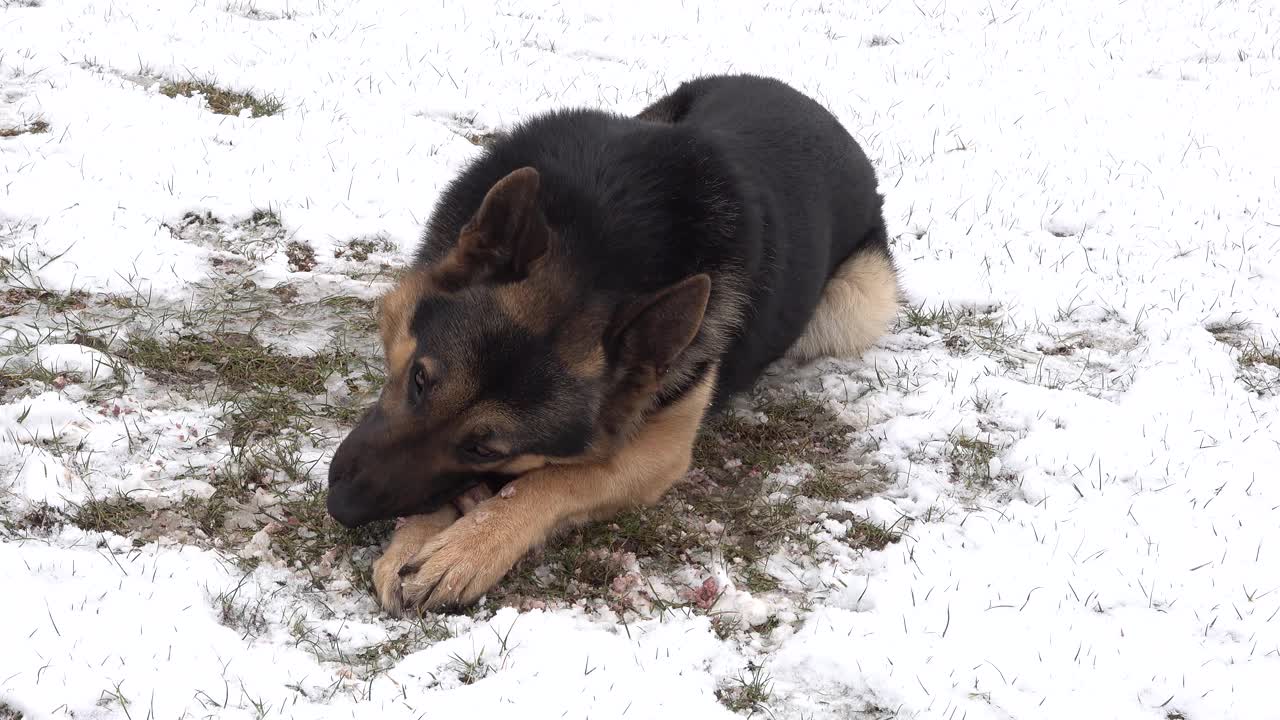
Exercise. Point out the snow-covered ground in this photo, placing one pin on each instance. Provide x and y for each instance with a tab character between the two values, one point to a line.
1076	424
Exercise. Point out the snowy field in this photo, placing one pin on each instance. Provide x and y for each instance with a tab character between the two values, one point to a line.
1052	492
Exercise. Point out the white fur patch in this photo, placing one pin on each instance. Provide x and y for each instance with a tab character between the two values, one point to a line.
857	307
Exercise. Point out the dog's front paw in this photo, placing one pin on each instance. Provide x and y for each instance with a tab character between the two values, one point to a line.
460	564
410	537
386	581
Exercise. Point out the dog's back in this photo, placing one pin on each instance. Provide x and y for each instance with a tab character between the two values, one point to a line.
823	264
741	177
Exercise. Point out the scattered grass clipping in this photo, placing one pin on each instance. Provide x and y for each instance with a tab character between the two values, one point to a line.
224	102
33	128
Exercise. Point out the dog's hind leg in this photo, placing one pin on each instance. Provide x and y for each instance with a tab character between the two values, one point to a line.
857	307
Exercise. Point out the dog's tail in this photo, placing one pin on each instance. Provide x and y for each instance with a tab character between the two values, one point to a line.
858	305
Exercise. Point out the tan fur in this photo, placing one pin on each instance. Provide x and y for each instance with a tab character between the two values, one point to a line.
857	307
462	562
585	361
522	464
395	315
580	345
532	302
405	543
395	312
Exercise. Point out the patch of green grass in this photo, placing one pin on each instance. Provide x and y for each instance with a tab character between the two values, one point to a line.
302	534
40	518
756	528
350	304
482	139
287	294
238	360
737	455
263	416
583	562
754	578
255	239
308	532
962	328
726	625
749	692
424	632
233	484
13	300
32	128
360	248
1256	353
224	102
824	485
265	222
7	712
970	459
208	514
1229	331
301	256
470	670
262	217
120	515
252	12
269	404
270	413
15	375
1258	359
799	429
729	625
346	415
24	363
870	535
1258	363
358	314
408	636
247	615
830	484
670	533
733	457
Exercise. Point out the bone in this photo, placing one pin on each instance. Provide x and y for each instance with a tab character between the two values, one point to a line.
467	501
508	490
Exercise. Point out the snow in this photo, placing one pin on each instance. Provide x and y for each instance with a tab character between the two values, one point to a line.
1100	179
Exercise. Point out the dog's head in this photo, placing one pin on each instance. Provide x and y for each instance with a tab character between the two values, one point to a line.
497	364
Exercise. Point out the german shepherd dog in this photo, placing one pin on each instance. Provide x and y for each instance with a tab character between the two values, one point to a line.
586	291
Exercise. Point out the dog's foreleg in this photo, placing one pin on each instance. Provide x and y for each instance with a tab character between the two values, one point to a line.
461	563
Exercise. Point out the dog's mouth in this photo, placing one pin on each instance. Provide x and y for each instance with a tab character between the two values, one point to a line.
464	502
462	491
464	494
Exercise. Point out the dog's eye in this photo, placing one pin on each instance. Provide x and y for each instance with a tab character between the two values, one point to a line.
480	452
419	383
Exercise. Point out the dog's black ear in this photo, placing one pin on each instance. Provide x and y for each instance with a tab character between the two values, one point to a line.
502	239
654	330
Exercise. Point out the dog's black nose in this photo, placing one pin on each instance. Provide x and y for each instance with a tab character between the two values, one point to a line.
340	507
341	498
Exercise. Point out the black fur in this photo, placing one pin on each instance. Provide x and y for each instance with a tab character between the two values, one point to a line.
740	176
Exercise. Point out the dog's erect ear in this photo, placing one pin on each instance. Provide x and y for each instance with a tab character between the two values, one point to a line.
502	239
654	330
